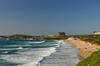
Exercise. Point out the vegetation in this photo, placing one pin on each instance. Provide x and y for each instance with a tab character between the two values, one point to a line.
56	37
93	60
20	36
95	39
42	37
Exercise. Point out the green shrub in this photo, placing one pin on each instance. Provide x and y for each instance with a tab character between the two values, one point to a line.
95	39
93	60
56	37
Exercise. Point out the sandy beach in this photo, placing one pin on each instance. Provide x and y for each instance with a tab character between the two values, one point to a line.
85	48
65	55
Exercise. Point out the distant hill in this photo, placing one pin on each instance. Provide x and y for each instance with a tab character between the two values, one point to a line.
20	36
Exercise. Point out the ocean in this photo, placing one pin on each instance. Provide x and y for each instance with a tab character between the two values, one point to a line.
37	53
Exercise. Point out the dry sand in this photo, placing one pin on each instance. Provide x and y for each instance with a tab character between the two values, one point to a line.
85	48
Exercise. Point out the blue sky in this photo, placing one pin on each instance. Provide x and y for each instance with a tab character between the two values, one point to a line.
49	16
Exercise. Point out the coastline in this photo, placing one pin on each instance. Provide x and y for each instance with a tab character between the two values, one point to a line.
85	48
65	55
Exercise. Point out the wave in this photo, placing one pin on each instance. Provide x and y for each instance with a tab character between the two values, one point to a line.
38	42
69	57
8	48
30	56
17	45
20	48
5	52
11	48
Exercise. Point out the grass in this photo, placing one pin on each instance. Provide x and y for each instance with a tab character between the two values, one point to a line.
95	39
56	37
93	60
20	36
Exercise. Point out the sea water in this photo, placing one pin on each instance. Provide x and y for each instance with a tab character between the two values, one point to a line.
65	55
28	53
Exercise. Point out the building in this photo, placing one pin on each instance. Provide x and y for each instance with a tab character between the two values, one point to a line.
61	34
96	33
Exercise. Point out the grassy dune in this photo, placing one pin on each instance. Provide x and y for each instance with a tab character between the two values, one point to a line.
95	39
93	60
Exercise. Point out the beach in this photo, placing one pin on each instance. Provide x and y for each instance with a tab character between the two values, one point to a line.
38	53
25	52
85	48
65	55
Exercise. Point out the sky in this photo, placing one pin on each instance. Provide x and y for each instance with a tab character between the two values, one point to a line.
49	16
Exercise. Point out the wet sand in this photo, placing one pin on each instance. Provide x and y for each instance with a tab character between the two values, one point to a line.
65	55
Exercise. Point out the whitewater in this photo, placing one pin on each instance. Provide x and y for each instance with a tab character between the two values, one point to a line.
37	53
65	55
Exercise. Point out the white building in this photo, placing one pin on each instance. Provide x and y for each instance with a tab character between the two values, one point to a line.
96	33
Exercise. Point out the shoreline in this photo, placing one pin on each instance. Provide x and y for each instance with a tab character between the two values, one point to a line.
65	55
85	48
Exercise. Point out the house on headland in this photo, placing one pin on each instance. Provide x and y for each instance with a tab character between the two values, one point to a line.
96	33
61	34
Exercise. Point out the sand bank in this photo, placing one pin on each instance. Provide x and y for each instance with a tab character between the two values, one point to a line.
85	48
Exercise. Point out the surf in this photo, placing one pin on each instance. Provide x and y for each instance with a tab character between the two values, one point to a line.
28	56
38	42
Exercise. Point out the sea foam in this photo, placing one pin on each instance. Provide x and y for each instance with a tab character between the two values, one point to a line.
31	56
38	42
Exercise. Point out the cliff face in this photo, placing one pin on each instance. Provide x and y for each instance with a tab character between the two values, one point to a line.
85	48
